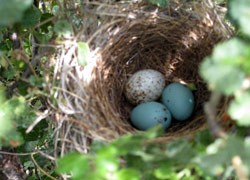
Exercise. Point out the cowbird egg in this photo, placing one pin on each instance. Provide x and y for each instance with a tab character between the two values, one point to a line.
149	114
144	86
179	100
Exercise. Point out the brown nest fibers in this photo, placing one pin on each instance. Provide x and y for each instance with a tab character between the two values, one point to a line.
125	37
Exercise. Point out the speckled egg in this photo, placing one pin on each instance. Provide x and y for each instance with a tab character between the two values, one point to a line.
149	114
144	86
179	100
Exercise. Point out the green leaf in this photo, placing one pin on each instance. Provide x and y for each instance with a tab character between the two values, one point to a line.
107	160
12	138
75	164
239	13
43	37
13	114
108	151
5	115
180	151
239	109
96	145
219	155
12	11
229	52
128	173
160	3
222	78
10	73
83	53
165	172
31	17
133	142
55	9
226	69
36	81
63	29
234	52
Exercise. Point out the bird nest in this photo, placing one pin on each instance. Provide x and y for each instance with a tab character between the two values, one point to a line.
125	37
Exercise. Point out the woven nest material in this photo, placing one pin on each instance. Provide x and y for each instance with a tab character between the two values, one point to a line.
125	37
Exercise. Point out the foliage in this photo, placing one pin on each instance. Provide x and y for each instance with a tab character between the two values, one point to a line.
227	70
21	98
14	114
133	157
239	14
11	13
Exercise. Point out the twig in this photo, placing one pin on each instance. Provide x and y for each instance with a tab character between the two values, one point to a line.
102	29
45	22
239	169
39	168
28	154
17	154
46	156
38	119
211	114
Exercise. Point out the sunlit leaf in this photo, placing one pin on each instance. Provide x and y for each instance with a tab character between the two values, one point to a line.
234	52
165	172
73	163
128	173
5	116
107	160
229	52
12	138
83	53
13	114
239	12
226	68
222	78
239	109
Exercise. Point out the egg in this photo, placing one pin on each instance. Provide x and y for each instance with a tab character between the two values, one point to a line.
144	86
179	100
149	114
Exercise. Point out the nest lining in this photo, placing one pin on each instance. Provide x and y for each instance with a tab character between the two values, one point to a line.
171	40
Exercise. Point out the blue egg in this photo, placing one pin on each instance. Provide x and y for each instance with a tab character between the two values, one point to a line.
179	100
149	114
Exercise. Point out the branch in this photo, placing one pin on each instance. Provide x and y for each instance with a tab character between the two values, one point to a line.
211	114
239	168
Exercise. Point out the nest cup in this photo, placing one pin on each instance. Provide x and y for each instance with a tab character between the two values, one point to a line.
173	40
